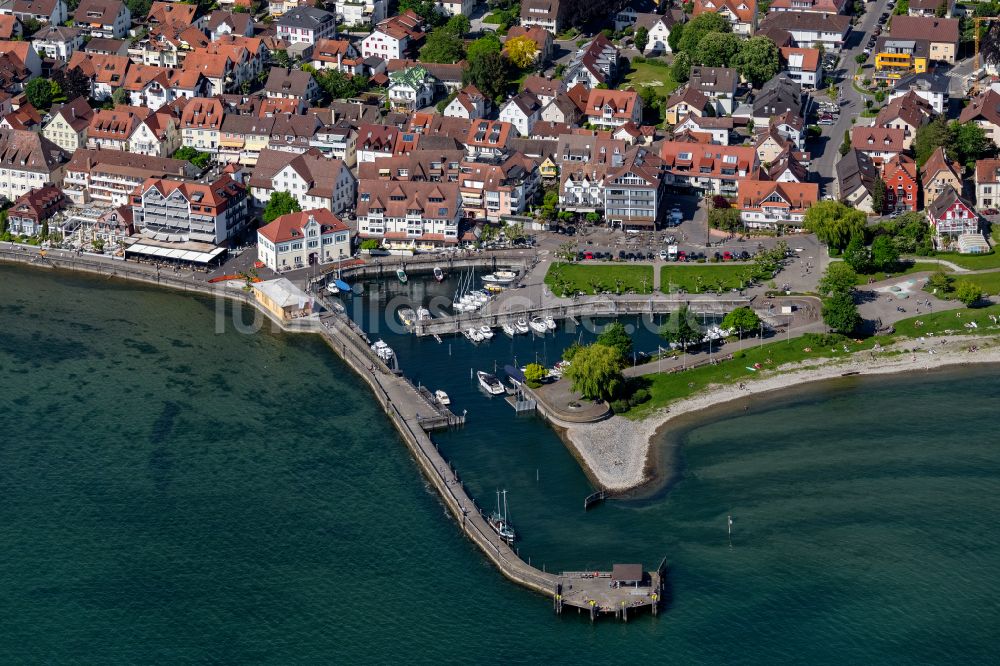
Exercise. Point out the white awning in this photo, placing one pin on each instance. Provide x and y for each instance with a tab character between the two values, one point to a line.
175	254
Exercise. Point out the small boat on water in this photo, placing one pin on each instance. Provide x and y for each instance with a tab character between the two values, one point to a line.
474	335
339	308
559	368
486	332
332	288
537	324
438	274
490	383
423	314
521	326
407	316
382	350
509	329
550	323
401	274
500	277
442	397
499	521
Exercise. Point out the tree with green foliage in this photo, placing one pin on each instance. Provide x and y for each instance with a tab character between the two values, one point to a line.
534	373
845	145
838	278
641	38
680	69
458	25
834	223
196	157
840	313
426	9
615	336
861	58
489	73
338	85
968	292
968	142
280	203
758	60
488	43
726	219
741	320
571	351
878	195
942	9
681	329
280	58
717	49
442	46
939	281
674	38
138	8
521	52
73	82
550	204
857	255
885	254
39	93
902	8
652	105
929	137
595	372
45	230
370	244
698	27
593	218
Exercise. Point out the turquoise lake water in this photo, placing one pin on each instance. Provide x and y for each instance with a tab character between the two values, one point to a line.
171	493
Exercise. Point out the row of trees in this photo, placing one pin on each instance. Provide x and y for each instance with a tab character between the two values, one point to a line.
708	40
836	287
964	142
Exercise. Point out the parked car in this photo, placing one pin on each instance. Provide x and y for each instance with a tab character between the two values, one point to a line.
588	255
727	256
663	255
681	256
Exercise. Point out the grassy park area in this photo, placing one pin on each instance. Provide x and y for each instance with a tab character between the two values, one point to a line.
647	75
700	278
665	388
915	267
563	278
974	262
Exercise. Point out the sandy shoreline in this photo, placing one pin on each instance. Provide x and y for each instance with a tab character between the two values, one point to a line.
616	453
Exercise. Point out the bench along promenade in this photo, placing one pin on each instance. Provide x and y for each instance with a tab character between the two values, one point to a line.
624	590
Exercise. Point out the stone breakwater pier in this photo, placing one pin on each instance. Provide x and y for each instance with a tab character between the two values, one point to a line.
622	591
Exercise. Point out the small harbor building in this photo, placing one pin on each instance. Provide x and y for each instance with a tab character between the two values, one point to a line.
283	299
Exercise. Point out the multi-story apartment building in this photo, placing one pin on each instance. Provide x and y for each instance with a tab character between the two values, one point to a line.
307	25
110	176
181	211
68	126
201	124
27	162
635	193
708	167
409	215
316	181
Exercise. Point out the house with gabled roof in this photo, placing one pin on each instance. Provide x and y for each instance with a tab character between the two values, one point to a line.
103	18
395	37
938	174
608	109
221	22
409	215
57	41
810	6
684	103
856	180
708	167
178	211
987	181
106	72
802	65
766	204
312	178
52	12
902	187
741	14
306	238
908	113
718	129
411	89
67	127
594	63
540	36
808	28
29	159
658	28
522	111
110	176
941	33
111	129
716	83
952	217
31	210
375	141
22	55
984	110
201	124
880	143
287	83
487	140
468	103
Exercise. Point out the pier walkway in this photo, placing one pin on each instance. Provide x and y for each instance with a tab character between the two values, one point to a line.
595	592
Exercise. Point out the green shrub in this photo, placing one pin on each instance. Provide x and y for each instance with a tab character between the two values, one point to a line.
620	406
639	397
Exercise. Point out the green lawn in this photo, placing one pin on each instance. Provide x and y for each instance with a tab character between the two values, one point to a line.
665	388
974	262
988	282
916	267
598	278
699	278
643	74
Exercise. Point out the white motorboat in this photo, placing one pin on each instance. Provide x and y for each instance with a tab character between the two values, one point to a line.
486	332
550	323
442	397
382	350
407	316
474	335
537	324
559	368
521	326
339	308
438	274
500	277
490	383
423	314
509	329
332	288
